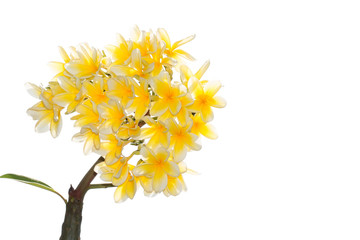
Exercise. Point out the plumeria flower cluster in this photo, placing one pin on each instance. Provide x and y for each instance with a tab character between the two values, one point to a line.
127	96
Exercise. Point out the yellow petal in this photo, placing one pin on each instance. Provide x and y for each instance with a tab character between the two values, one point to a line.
208	131
118	53
136	59
144	169
211	88
80	70
164	139
131	188
123	70
191	142
151	157
160	87
158	108
89	88
202	70
63	54
165	116
195	107
135	33
195	87
110	158
149	121
171	169
165	37
106	177
140	110
159	181
120	194
146	183
162	154
146	133
185	74
63	99
55	127
43	124
121	175
67	84
33	90
207	114
120	39
145	152
183	41
88	145
218	102
71	107
183	116
174	106
179	152
186	100
57	67
181	53
173	127
149	68
96	141
78	137
174	187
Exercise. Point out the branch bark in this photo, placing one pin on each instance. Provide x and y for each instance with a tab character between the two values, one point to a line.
72	223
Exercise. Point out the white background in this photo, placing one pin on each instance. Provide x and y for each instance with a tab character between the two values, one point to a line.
286	164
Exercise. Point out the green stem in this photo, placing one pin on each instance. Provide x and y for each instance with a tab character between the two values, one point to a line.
64	199
101	185
72	223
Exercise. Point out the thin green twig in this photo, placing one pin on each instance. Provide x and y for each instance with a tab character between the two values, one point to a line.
101	185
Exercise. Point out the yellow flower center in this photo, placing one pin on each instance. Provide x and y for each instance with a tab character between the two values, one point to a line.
159	128
180	134
204	99
99	98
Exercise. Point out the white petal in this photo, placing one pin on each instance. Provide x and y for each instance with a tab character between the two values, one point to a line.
33	90
43	124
